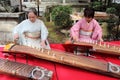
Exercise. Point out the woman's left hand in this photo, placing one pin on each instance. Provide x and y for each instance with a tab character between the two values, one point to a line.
101	40
43	44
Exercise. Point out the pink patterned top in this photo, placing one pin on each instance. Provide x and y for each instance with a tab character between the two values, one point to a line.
85	31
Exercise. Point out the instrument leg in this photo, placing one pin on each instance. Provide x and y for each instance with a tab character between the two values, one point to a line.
14	55
26	59
88	53
78	50
82	51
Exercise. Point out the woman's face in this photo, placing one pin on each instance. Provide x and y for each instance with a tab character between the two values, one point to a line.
32	17
88	19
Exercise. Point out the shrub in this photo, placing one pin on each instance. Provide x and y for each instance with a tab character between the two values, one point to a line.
61	16
111	10
63	20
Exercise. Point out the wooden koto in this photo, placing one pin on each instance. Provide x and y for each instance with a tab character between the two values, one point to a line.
24	70
82	62
101	47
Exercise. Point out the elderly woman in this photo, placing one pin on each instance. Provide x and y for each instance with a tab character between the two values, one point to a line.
32	31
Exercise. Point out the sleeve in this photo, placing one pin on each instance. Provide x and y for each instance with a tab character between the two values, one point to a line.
97	33
44	31
74	31
18	28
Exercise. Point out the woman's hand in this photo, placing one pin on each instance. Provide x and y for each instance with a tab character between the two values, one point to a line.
101	40
75	39
43	44
16	36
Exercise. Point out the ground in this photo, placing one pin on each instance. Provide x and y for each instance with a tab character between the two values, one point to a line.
55	35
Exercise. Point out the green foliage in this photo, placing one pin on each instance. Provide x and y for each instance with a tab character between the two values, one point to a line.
117	6
63	20
6	2
61	16
47	16
98	6
117	11
48	13
59	9
111	10
113	20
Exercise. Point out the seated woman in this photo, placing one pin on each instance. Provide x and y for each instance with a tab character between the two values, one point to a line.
87	29
32	31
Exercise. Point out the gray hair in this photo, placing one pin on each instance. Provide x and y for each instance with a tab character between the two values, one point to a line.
33	10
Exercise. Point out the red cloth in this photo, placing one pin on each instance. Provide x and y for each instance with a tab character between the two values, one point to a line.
64	72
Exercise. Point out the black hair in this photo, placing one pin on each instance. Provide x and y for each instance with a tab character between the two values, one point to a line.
33	10
89	12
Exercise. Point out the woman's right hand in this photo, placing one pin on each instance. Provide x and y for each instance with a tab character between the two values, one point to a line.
16	36
43	45
75	39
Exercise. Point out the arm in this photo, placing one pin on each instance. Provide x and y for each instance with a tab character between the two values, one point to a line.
74	31
97	33
44	34
16	31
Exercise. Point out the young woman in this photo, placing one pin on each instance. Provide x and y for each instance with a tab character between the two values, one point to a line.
87	29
